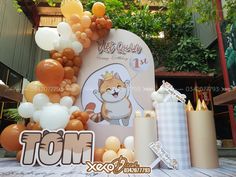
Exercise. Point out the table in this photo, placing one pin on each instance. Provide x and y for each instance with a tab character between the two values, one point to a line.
9	167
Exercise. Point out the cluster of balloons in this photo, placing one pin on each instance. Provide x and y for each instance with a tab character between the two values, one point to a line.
44	115
113	149
59	74
80	29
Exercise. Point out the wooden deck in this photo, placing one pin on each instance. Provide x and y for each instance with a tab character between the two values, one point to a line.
9	167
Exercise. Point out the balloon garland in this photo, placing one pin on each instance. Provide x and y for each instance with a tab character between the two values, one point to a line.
50	99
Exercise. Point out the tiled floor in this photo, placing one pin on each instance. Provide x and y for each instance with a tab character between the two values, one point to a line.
9	167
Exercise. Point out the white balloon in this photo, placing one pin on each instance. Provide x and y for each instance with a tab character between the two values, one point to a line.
66	101
129	142
26	110
64	29
73	37
77	47
40	100
73	109
45	38
36	116
56	45
54	117
64	43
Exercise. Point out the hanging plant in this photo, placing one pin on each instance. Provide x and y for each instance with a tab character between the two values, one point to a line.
12	114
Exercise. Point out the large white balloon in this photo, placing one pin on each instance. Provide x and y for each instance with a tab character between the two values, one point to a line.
77	47
64	30
45	38
129	143
40	100
66	101
36	116
26	110
54	117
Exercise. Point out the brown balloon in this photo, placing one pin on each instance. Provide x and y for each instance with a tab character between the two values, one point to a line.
84	117
56	55
98	153
30	125
18	155
77	61
52	52
50	72
69	72
74	124
10	137
68	53
36	126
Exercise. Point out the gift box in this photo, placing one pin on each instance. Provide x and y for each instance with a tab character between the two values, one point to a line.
173	132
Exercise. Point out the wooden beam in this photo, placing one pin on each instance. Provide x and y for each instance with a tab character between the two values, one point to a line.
226	98
30	10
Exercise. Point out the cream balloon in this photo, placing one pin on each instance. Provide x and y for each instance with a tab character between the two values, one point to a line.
54	117
109	155
71	7
66	101
112	143
40	100
126	153
45	38
26	110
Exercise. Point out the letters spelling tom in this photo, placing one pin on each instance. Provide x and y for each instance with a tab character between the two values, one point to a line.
50	148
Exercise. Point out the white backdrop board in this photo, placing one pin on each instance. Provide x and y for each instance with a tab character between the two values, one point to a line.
116	79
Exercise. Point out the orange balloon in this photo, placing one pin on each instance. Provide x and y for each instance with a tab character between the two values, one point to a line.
10	137
74	124
77	61
36	126
75	89
30	125
86	43
18	155
98	153
34	88
69	72
89	32
50	72
54	97
68	53
85	21
84	117
99	9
